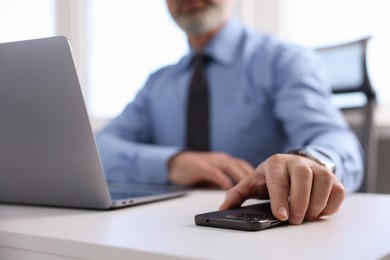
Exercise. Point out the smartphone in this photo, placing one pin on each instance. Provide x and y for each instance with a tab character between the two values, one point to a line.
249	218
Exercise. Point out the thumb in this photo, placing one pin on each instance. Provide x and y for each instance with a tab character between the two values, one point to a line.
232	200
237	195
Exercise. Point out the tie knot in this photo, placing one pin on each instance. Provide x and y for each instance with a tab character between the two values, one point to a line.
201	59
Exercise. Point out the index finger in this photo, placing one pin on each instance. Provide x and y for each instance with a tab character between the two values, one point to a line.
277	181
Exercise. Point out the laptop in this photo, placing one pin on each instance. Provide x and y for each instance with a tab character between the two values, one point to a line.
48	154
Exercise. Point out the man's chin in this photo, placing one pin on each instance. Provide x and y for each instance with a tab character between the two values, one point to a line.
200	23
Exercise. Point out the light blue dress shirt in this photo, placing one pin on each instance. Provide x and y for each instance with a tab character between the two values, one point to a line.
266	97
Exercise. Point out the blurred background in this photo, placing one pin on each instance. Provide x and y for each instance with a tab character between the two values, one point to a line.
117	43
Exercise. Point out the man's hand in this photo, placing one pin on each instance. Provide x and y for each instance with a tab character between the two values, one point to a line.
214	168
298	188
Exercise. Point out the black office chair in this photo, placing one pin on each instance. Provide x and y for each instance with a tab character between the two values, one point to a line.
346	69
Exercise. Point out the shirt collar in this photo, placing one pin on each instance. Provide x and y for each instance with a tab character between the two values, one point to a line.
222	47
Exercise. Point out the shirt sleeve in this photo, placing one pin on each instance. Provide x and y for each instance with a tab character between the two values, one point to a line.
303	105
126	146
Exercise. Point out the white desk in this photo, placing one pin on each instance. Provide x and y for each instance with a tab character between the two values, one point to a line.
166	230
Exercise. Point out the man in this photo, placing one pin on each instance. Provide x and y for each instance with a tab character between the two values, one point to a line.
267	106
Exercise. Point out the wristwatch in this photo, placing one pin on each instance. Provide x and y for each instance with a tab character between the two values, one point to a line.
328	163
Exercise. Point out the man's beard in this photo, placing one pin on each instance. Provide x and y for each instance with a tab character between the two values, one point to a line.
197	23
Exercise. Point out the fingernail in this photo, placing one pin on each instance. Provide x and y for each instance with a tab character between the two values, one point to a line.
283	212
296	218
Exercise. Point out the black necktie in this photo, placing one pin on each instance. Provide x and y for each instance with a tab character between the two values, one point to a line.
198	107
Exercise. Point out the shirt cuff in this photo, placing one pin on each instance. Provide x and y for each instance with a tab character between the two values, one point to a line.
128	162
153	162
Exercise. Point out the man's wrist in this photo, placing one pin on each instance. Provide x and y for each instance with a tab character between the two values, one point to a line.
328	163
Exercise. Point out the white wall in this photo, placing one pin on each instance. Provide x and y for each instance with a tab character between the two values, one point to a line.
261	15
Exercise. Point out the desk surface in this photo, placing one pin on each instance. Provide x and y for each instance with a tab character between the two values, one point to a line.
166	229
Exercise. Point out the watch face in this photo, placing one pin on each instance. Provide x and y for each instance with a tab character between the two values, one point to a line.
331	166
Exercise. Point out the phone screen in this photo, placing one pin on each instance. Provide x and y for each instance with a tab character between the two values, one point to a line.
250	218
